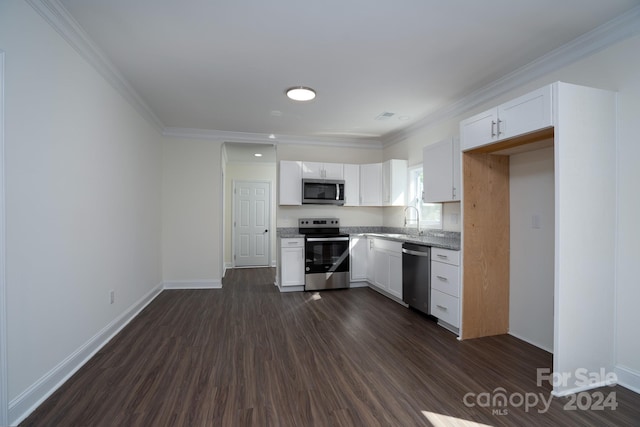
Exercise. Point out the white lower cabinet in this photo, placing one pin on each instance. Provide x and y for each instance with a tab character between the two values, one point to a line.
358	253
395	274
445	307
291	262
370	259
445	286
387	266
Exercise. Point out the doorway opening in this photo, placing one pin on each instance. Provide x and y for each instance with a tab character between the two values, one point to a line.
241	165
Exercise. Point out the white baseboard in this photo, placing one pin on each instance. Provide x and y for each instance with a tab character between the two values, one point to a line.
284	289
227	266
358	285
628	378
27	401
192	284
533	343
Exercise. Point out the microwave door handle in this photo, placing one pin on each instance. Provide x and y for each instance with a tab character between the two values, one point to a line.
337	191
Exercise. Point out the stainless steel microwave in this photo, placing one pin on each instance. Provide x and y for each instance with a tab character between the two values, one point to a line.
322	192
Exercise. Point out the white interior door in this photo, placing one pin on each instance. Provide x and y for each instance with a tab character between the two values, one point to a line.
251	219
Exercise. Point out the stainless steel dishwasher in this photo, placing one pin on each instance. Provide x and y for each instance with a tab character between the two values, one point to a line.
416	276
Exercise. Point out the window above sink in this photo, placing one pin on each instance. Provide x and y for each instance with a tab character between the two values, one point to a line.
430	213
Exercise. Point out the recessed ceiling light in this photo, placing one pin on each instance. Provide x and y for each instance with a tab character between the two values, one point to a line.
384	115
300	93
258	155
272	136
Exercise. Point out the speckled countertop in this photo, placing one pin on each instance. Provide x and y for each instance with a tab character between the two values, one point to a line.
435	238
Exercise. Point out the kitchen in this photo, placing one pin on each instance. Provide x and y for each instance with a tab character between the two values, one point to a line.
532	175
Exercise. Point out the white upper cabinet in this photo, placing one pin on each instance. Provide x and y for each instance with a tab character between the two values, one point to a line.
441	171
524	114
290	188
322	170
351	185
371	184
394	183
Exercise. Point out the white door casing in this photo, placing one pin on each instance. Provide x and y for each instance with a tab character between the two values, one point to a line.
251	223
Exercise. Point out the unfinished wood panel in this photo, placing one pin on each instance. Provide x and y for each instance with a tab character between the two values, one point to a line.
485	301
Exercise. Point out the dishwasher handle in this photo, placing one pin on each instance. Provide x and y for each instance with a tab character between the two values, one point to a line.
416	253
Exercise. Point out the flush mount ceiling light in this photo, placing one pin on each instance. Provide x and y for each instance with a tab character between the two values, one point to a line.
300	93
258	155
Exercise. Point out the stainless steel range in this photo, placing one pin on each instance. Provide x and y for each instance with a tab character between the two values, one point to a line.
326	254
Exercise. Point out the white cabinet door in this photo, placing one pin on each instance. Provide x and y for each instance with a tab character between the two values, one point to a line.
333	171
457	169
386	183
394	183
371	184
312	170
445	307
387	266
351	185
445	278
395	275
381	269
322	170
371	262
437	172
479	130
358	254
290	188
292	262
525	114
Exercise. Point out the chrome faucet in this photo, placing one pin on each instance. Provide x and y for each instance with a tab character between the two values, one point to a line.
417	218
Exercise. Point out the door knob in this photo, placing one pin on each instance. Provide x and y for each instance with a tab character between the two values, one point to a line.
266	231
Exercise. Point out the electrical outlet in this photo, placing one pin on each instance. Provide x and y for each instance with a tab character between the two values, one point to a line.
112	296
535	221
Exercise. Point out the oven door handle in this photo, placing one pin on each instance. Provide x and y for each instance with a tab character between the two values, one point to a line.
327	239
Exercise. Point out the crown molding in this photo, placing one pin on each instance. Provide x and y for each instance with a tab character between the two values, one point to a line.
63	22
259	138
608	34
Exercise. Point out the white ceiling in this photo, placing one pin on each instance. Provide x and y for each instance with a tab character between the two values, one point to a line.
246	152
223	65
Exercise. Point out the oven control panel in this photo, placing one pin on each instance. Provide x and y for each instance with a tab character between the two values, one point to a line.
318	223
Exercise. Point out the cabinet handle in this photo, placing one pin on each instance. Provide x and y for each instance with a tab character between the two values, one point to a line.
442	256
454	192
292	243
444	279
441	307
499	131
493	129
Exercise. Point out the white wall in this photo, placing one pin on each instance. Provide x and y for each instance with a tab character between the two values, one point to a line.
256	171
192	213
83	206
531	189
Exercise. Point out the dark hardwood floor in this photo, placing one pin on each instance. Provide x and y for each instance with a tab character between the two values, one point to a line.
247	355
